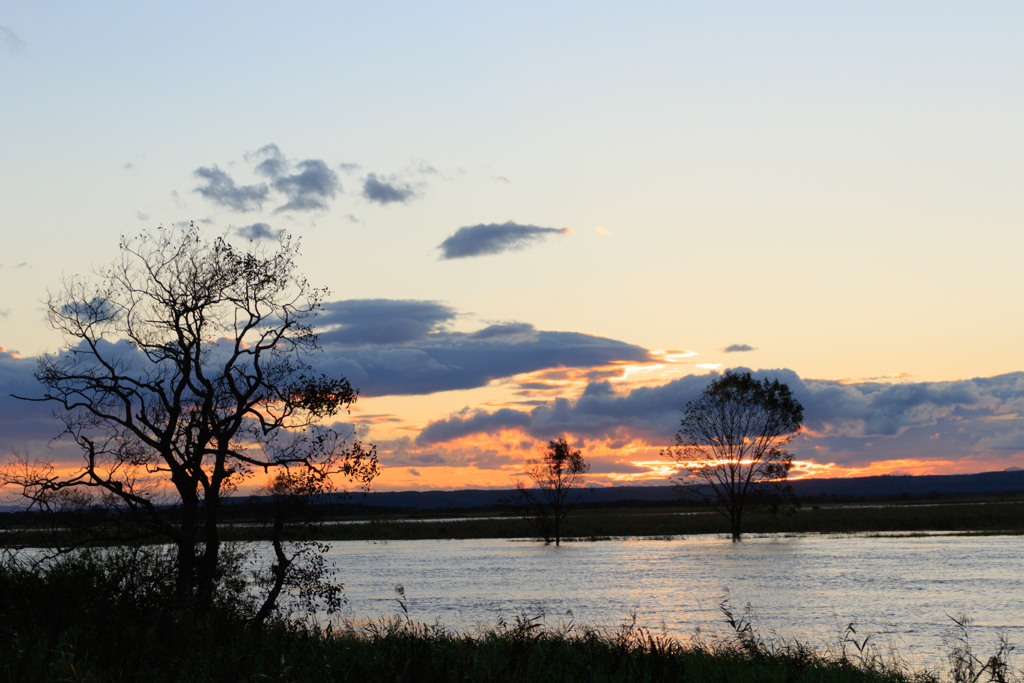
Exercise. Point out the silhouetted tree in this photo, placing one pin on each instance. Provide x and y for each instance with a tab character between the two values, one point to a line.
299	564
731	440
558	476
185	372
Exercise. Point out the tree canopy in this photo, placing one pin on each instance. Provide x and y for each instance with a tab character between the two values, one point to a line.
558	475
186	369
731	441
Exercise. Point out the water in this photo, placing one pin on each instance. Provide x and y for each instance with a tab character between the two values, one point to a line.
900	590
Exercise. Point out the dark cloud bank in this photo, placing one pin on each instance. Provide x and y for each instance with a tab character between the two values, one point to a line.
494	238
384	347
407	347
852	422
390	346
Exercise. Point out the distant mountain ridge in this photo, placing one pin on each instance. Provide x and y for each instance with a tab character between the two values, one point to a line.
1006	482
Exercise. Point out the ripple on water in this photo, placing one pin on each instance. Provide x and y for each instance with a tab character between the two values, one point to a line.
899	589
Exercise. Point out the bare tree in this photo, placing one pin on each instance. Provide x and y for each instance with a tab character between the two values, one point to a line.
558	475
731	440
186	371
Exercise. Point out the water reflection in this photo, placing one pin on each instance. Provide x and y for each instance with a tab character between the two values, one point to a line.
810	587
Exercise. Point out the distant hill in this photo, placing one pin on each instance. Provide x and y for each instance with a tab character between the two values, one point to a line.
883	487
1007	482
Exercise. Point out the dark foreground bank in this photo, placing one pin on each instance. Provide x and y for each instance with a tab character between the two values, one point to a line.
109	616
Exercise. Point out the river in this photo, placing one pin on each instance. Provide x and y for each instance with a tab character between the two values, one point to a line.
899	589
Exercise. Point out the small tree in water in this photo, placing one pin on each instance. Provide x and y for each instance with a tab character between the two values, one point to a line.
731	440
184	372
558	476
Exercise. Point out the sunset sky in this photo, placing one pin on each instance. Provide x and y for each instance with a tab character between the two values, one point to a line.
547	219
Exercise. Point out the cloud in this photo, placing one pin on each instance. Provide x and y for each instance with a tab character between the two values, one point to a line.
142	216
423	168
602	231
349	168
258	231
404	347
384	192
441	431
96	310
359	322
306	185
504	330
494	238
271	162
220	188
447	361
26	427
845	423
8	38
738	348
310	188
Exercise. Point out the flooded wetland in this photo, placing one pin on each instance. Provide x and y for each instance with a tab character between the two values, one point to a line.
901	591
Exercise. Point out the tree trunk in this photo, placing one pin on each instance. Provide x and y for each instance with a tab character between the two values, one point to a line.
207	574
734	524
186	570
279	571
187	554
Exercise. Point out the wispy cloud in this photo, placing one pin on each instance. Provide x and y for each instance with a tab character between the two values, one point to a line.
8	38
494	238
738	348
221	189
384	191
258	231
309	188
305	185
270	161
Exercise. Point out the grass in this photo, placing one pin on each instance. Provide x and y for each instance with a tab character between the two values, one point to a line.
601	524
958	517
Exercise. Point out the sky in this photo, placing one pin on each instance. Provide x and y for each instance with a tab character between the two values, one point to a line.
558	219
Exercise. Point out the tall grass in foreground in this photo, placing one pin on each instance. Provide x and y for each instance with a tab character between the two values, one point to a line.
101	617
